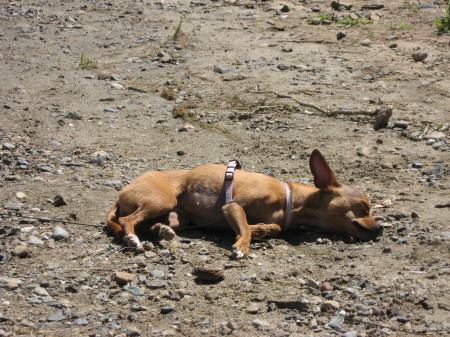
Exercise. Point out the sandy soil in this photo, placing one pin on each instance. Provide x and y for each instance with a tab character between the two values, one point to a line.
94	93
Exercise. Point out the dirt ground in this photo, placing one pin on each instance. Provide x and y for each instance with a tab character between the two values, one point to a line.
94	93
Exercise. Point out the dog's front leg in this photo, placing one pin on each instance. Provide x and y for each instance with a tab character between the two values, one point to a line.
235	216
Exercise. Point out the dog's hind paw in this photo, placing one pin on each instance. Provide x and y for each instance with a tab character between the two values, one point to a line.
237	254
132	240
166	233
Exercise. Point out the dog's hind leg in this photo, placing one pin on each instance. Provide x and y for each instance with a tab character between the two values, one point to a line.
176	219
146	211
260	231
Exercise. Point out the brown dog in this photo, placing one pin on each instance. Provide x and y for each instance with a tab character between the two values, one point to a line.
261	205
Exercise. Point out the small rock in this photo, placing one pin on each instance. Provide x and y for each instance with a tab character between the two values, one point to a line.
326	287
33	240
81	322
313	283
56	317
401	124
20	195
341	35
8	146
330	306
103	75
157	284
222	69
157	273
123	278
363	152
167	309
259	323
59	200
417	165
209	273
415	215
336	322
253	308
21	251
419	56
40	292
366	43
350	334
60	233
13	206
10	283
387	250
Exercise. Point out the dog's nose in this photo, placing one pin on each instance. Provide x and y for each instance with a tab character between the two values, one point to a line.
378	230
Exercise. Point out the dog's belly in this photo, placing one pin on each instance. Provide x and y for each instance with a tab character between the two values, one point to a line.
203	208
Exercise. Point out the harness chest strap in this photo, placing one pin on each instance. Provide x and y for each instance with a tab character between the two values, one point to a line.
229	175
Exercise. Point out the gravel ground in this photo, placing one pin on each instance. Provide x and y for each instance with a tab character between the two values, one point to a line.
94	93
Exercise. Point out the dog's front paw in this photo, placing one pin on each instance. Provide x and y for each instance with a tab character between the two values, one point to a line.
166	233
239	253
131	240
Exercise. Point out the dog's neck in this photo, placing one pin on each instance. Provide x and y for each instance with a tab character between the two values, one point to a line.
304	216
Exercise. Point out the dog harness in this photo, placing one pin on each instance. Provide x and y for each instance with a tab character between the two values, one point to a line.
229	175
234	165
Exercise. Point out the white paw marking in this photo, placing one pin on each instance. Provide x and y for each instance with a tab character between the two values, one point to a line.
238	254
132	240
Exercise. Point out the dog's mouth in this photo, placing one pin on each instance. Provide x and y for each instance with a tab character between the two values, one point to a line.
365	233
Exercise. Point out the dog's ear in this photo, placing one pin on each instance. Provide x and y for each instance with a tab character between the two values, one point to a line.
323	176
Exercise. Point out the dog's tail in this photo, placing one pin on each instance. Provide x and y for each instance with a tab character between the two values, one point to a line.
112	222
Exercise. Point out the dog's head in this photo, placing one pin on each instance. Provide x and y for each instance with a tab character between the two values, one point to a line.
341	209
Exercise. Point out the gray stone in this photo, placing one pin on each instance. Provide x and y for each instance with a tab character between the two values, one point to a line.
136	291
33	240
341	35
366	43
401	124
59	200
56	317
13	206
81	322
336	322
157	284
60	233
21	251
157	273
167	309
419	56
253	308
222	69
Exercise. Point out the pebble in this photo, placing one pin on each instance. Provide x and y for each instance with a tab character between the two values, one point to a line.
259	323
330	305
157	273
326	287
59	200
60	233
56	317
34	240
419	56
8	146
366	43
10	283
222	69
13	206
157	284
123	278
81	322
167	309
40	292
20	195
336	322
350	334
313	283
340	35
415	215
417	165
209	273
21	251
401	124
253	308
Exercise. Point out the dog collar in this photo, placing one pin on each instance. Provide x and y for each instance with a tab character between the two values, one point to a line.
229	175
288	214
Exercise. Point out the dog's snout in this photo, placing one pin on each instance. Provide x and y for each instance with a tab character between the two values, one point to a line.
379	229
